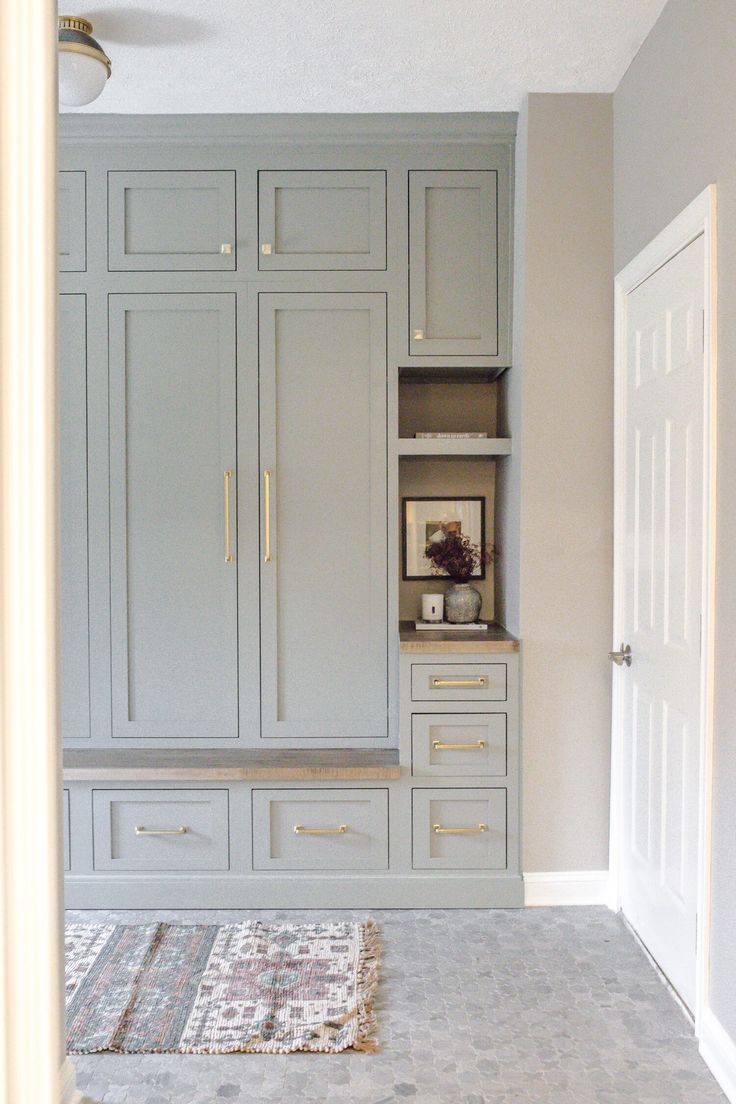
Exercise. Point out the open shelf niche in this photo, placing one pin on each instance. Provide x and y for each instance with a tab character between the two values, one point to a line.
448	404
446	467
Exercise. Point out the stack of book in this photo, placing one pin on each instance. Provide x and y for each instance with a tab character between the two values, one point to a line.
445	626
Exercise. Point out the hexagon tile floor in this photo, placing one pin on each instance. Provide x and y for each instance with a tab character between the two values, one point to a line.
535	1006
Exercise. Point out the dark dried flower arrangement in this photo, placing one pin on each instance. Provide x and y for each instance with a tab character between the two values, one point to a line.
457	556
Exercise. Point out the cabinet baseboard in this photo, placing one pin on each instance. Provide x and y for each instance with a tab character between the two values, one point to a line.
325	891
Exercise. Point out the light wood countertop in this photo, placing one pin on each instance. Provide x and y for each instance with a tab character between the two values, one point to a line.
496	639
222	765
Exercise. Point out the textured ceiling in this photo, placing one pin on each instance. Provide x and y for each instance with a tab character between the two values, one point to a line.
361	55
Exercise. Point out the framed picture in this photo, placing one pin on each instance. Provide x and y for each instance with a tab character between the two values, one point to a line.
423	517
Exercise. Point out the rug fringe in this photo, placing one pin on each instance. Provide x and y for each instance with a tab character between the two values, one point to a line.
369	965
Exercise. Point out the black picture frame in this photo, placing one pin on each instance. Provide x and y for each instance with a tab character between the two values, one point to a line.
409	553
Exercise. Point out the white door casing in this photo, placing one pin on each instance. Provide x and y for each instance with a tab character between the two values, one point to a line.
664	472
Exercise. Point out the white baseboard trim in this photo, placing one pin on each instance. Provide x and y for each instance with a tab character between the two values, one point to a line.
566	887
68	1091
719	1052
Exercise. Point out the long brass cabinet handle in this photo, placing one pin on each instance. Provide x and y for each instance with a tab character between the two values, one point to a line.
267	515
141	831
472	684
227	475
439	746
458	831
302	831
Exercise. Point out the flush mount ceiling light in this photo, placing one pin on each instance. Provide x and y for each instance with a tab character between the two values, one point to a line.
83	65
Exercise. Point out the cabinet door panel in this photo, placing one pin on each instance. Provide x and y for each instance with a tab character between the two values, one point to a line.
322	220
72	218
172	436
453	254
324	591
73	551
171	221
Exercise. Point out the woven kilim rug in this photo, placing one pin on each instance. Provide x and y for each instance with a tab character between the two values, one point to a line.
208	989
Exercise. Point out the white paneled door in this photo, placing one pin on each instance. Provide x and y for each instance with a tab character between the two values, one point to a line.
661	578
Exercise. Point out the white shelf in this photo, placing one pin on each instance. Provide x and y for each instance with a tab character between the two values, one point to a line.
454	446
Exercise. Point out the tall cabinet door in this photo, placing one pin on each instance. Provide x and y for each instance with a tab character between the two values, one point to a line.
324	564
73	552
454	263
172	508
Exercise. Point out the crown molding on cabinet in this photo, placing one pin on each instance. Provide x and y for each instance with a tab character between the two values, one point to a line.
447	128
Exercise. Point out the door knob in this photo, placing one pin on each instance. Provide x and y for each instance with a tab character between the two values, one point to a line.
226	249
622	657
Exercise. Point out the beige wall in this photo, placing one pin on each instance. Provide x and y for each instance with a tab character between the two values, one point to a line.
563	389
675	134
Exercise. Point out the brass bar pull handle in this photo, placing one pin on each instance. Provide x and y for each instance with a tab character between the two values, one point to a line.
267	515
446	683
302	831
458	831
141	831
227	477
439	746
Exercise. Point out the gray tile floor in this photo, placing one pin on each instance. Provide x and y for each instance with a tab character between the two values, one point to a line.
540	1006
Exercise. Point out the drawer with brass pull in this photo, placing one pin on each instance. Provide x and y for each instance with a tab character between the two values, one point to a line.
319	829
467	745
458	682
166	830
459	829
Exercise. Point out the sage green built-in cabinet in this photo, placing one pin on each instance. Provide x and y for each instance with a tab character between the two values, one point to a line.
321	220
171	221
456	283
173	523
73	530
241	298
324	572
72	221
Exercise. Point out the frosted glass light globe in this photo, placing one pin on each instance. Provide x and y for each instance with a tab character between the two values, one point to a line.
81	78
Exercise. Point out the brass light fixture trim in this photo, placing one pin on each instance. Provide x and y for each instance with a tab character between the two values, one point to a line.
75	37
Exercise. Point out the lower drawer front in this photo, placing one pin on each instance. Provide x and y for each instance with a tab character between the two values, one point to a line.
459	829
320	829
459	744
160	830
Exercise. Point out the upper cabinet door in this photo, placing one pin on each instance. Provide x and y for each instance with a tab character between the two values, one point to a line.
171	221
454	263
72	221
73	552
324	556
321	220
172	509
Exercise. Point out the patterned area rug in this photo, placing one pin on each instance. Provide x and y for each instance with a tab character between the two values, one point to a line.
208	989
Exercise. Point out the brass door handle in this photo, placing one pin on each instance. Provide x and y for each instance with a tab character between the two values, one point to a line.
445	683
226	249
302	831
439	746
227	477
458	831
141	831
267	515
